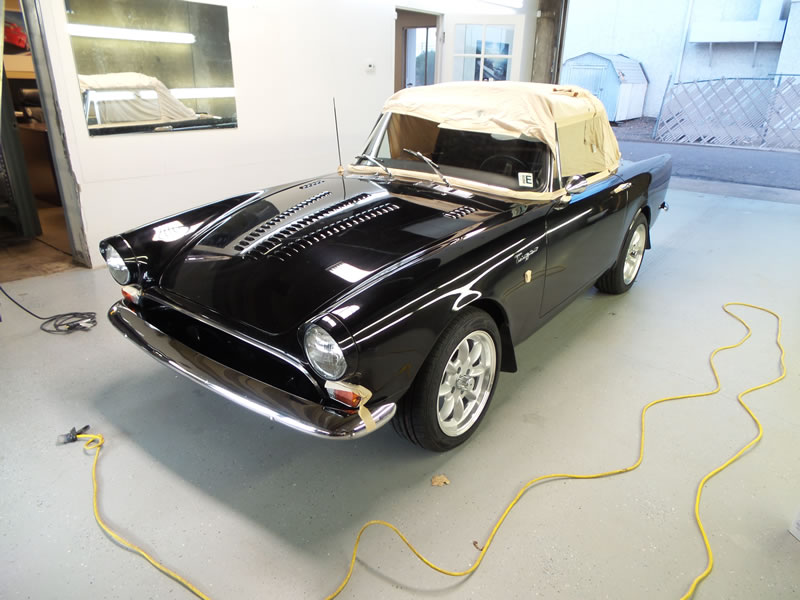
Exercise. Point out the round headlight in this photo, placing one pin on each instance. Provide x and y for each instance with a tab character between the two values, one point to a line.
119	270
324	353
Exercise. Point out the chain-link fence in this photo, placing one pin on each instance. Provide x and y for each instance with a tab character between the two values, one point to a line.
750	112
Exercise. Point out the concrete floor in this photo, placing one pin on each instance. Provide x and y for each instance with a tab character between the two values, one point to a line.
247	509
48	253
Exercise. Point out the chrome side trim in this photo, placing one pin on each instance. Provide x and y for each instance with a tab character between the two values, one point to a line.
287	409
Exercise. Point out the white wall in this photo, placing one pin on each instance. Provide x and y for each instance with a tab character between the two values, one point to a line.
289	60
287	66
651	31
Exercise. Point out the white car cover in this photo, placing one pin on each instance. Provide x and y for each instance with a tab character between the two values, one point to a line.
132	98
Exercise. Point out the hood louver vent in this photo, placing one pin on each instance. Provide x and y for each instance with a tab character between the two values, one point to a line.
276	249
305	186
265	243
259	231
461	211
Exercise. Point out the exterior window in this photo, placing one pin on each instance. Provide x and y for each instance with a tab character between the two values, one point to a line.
483	52
420	55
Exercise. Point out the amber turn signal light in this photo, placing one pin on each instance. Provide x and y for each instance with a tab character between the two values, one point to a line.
347	397
132	294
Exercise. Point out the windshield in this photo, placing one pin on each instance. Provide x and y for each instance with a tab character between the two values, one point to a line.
520	164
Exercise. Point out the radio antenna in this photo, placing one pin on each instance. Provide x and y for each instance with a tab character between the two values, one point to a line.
336	124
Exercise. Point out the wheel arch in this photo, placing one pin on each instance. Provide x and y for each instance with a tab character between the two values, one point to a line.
645	210
498	314
639	202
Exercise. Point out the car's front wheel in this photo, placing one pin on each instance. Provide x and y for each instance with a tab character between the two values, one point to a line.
454	387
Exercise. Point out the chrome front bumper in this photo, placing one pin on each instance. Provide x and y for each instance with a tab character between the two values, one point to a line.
285	408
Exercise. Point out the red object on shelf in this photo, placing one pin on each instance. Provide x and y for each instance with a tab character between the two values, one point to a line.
15	35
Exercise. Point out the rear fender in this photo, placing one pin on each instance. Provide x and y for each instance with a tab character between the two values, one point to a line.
649	180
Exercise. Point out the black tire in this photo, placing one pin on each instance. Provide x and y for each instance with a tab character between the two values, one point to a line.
418	415
616	280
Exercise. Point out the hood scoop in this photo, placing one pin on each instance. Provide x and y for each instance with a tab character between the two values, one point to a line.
275	248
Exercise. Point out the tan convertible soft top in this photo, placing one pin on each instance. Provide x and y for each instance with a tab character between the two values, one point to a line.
585	142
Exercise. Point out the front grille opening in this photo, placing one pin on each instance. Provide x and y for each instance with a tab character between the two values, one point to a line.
231	351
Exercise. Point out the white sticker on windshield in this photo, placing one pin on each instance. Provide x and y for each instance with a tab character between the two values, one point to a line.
525	179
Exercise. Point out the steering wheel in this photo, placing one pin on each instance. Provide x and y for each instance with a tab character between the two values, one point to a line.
506	158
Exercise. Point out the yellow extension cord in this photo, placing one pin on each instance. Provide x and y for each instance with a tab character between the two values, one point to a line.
95	442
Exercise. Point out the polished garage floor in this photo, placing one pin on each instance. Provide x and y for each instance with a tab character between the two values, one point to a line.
247	509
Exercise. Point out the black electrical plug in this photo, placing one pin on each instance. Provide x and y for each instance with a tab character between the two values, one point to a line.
72	436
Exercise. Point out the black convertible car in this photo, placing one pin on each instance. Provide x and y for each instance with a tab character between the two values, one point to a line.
397	288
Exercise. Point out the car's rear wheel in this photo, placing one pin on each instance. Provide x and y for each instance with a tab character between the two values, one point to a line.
620	277
454	387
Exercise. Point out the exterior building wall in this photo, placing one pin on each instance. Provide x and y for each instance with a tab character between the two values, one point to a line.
700	61
646	30
653	31
789	61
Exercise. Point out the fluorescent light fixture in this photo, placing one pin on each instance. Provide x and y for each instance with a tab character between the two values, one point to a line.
215	92
135	35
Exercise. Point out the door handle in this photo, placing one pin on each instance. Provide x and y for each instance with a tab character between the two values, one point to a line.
621	188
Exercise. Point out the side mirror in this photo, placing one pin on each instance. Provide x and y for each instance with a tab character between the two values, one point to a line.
576	184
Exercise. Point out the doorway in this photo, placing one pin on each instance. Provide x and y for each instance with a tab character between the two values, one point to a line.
34	237
415	53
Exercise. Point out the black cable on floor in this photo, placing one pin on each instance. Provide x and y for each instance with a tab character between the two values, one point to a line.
60	324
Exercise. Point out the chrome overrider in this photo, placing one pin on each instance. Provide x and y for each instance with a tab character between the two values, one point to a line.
275	404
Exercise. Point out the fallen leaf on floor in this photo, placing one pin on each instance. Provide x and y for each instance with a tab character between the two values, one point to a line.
440	480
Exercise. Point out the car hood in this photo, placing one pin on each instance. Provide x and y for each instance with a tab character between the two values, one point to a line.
278	259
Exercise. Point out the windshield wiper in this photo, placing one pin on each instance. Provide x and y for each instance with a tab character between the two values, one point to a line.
430	163
375	162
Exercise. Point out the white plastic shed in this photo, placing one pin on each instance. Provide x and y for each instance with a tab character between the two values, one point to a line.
617	80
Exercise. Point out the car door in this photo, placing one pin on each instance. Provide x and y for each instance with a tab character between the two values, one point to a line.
583	239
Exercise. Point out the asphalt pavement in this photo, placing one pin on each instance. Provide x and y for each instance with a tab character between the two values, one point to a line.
768	168
765	168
